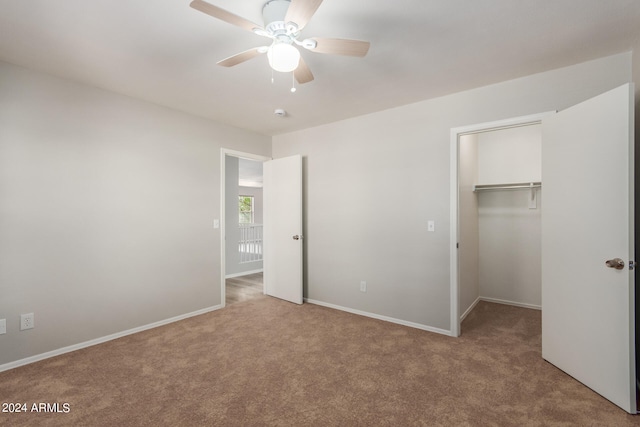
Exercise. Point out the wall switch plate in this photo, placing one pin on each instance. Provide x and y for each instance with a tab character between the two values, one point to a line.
3	326
26	321
363	286
431	226
216	223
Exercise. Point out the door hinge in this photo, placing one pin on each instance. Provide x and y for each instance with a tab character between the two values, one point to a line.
632	264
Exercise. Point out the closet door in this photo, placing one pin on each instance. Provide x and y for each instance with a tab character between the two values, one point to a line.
587	306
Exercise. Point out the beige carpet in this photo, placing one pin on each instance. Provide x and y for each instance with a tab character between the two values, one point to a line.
271	363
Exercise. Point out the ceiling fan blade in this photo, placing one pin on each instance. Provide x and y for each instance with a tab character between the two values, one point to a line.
340	46
223	15
303	73
301	11
242	56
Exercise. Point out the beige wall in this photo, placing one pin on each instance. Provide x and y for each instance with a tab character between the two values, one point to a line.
373	182
106	211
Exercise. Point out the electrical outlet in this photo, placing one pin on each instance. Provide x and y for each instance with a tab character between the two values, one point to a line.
363	286
26	321
3	326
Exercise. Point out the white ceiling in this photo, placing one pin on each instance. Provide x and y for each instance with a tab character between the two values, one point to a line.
165	52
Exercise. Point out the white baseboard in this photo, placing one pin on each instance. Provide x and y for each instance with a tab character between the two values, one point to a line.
516	304
470	309
380	317
74	347
243	273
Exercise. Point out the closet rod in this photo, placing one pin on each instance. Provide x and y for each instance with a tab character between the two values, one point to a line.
515	186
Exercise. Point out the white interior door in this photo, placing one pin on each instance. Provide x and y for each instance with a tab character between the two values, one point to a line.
587	307
282	194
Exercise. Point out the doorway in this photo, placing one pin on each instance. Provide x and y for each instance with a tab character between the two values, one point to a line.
241	226
499	217
483	193
282	241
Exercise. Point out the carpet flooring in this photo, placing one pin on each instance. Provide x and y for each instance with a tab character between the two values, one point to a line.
267	362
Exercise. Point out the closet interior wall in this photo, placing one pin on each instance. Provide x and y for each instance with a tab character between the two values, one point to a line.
499	233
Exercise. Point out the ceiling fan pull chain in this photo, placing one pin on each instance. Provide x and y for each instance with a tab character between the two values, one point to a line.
293	83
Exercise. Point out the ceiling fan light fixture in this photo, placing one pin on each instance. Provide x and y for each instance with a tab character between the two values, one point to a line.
283	57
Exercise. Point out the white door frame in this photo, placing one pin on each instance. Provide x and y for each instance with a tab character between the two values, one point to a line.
224	152
456	133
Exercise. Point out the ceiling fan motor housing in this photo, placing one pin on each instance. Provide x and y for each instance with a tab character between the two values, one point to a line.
274	13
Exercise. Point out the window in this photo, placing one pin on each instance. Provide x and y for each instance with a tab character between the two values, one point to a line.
246	209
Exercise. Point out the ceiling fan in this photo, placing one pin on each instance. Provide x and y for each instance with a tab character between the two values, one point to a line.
283	22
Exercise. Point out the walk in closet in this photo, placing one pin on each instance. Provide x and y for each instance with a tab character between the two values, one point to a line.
500	204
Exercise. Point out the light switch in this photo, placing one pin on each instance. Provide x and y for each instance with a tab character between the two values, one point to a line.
216	223
431	226
3	326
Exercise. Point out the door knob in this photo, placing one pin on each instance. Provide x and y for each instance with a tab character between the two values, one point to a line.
616	263
297	237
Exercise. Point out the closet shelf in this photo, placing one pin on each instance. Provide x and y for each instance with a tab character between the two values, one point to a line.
512	186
